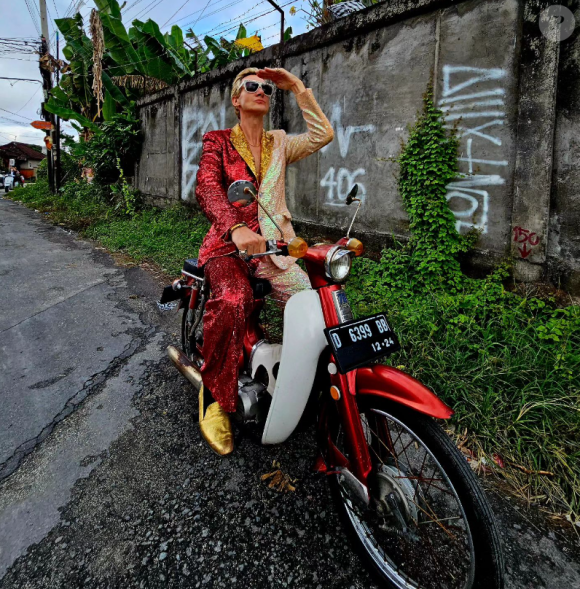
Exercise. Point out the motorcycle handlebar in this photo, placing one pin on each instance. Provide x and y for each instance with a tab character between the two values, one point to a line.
275	248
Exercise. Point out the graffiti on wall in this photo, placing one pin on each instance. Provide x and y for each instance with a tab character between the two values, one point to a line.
476	98
339	181
524	238
194	123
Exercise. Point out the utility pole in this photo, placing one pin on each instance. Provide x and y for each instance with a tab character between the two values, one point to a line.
58	172
44	22
47	85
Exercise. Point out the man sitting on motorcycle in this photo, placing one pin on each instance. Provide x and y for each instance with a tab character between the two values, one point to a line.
246	152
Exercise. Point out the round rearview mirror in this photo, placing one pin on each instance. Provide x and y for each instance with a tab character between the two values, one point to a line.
237	192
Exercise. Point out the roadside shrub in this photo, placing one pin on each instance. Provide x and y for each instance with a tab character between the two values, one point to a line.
77	205
115	147
42	170
166	237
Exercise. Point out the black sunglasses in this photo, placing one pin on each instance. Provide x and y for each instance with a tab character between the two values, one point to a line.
252	87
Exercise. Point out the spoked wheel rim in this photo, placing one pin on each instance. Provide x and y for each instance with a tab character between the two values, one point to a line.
433	551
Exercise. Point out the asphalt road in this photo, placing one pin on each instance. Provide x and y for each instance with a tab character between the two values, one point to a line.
104	478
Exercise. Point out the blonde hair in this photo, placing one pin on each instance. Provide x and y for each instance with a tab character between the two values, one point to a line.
237	85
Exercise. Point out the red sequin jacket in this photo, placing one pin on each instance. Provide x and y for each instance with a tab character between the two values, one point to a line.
226	157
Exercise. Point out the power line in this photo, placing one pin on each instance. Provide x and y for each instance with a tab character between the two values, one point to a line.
214	12
194	12
131	6
186	1
238	18
20	79
204	9
33	17
26	103
19	59
149	7
19	135
254	17
15	114
14	121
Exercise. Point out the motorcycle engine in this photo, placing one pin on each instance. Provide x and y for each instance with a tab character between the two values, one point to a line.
253	401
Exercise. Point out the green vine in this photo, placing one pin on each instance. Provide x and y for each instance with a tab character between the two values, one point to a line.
428	162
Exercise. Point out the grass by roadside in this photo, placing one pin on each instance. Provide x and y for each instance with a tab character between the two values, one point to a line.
165	237
508	365
510	368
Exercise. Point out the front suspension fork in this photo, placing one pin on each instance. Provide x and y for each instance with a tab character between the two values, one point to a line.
359	458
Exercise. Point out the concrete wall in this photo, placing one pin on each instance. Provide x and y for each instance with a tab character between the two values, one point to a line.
564	214
495	76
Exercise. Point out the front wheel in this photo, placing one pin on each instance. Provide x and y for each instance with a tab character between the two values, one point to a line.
428	524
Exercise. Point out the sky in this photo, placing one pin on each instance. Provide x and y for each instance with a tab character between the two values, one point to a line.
20	101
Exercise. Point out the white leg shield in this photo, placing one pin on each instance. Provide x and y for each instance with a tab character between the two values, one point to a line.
303	343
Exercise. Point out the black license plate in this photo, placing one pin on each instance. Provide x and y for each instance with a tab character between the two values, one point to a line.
356	342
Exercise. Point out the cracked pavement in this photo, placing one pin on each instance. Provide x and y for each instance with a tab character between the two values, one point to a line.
104	478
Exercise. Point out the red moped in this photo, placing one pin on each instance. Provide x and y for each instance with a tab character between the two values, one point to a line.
408	497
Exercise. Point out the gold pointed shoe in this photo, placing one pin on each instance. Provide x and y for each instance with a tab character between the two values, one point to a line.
216	427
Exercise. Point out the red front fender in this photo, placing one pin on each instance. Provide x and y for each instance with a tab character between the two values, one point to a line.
392	384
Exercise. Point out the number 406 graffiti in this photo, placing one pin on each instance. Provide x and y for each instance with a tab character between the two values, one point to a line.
338	185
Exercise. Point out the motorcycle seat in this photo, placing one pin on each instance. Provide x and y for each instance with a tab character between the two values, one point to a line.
260	286
191	267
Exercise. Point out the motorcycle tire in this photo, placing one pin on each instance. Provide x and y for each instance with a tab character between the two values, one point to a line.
486	564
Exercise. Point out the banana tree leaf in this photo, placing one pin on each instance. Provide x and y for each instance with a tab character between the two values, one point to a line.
152	28
288	34
109	7
213	45
71	28
155	58
59	94
68	113
109	107
154	66
175	41
113	90
118	46
241	32
72	31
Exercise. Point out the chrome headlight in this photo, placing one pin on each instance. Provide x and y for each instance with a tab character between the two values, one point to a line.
337	264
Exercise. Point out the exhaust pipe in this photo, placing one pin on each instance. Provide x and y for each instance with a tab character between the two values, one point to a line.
184	365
